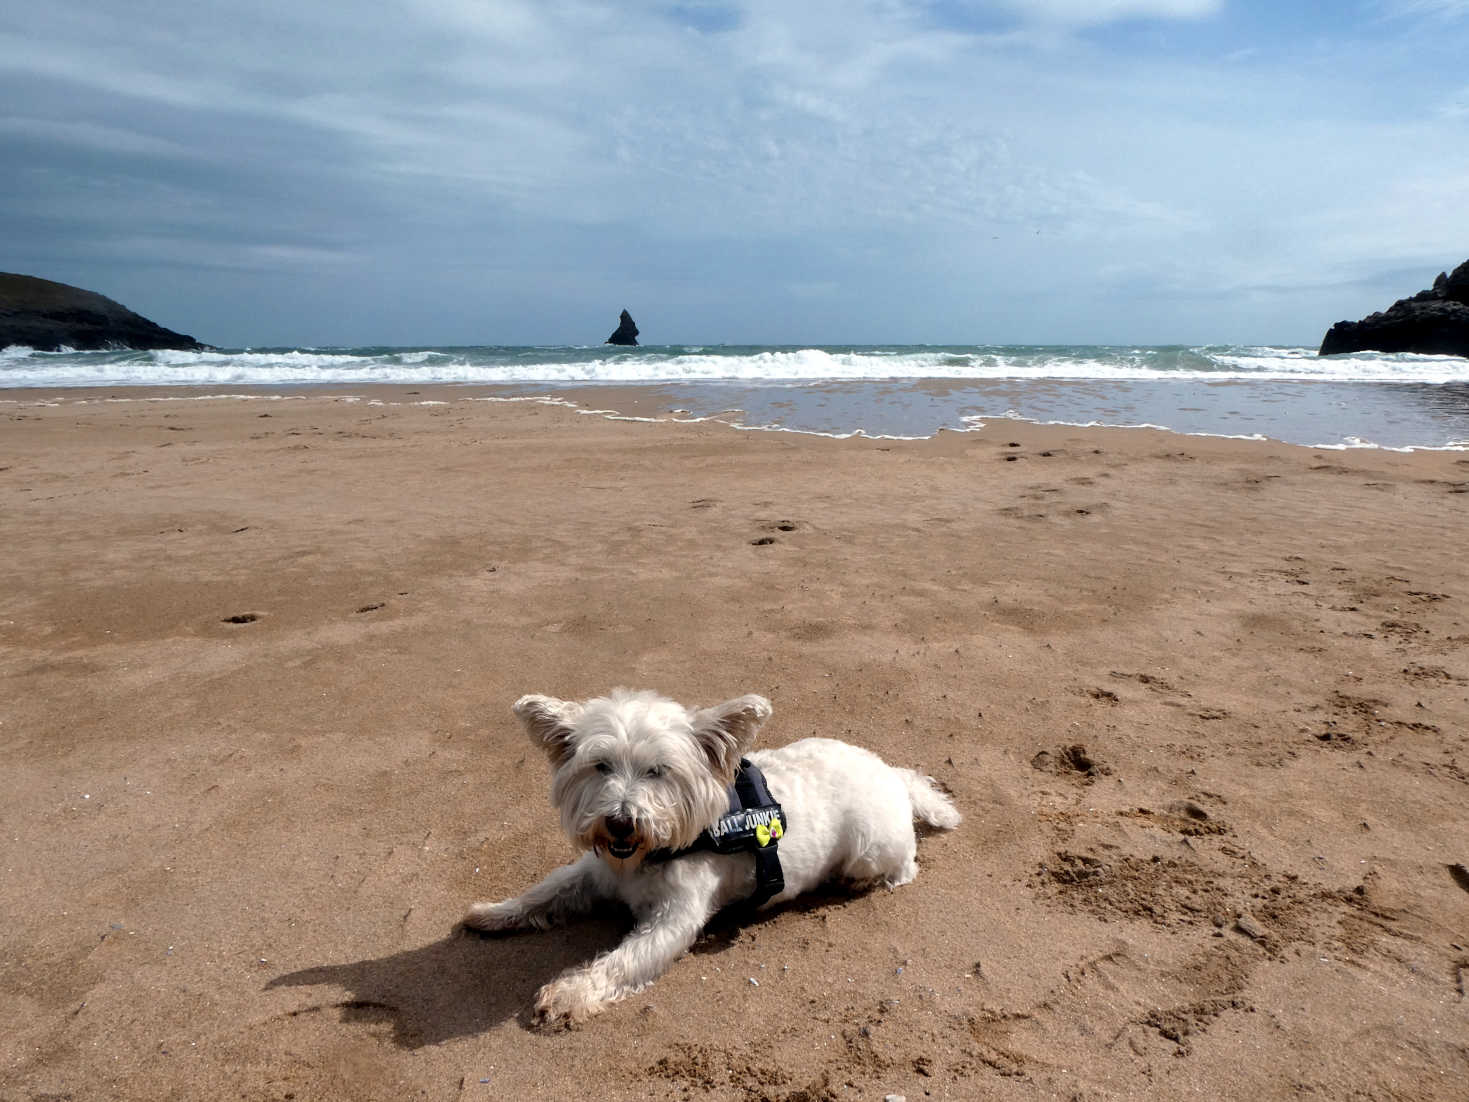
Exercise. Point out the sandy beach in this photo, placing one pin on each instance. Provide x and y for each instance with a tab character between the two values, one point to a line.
1202	702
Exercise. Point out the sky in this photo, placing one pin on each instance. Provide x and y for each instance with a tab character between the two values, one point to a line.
441	172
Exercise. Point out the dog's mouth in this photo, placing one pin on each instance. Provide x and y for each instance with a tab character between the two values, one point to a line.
622	849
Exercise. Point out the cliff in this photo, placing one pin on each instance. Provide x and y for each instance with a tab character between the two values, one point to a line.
1435	321
49	316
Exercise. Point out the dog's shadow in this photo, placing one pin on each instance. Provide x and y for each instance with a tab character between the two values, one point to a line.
469	982
459	986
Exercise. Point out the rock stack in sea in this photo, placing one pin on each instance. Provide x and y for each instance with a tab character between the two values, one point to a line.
627	331
50	316
1435	321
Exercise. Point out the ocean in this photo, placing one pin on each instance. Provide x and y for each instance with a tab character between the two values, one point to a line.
1278	393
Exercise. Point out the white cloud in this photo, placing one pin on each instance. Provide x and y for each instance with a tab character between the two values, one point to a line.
1443	9
262	256
1096	12
89	135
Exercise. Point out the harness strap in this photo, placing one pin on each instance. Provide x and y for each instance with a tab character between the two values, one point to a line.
770	881
752	793
755	824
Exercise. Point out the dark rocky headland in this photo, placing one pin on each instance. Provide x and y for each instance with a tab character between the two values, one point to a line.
1435	321
48	316
627	331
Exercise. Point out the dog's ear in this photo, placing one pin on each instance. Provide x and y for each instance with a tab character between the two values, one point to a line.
548	722
725	731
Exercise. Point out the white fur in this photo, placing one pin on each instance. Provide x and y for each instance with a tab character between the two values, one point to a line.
636	772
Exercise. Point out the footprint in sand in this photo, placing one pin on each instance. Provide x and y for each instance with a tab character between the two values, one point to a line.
1070	761
1210	713
774	526
242	618
1044	494
1416	671
1014	512
1180	1024
1157	684
1461	878
1182	817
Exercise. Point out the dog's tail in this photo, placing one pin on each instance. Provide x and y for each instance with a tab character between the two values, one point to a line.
929	804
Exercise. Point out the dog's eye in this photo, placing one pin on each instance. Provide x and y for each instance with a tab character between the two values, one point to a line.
603	767
655	771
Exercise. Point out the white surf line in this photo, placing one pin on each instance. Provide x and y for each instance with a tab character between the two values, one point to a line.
718	418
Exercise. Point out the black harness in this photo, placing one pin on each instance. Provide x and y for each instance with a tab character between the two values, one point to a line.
754	824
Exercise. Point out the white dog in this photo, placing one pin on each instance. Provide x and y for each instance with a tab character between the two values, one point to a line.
638	778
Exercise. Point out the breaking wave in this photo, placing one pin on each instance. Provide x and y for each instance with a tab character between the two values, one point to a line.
24	367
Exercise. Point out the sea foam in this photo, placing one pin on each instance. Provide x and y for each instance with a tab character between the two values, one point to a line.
570	365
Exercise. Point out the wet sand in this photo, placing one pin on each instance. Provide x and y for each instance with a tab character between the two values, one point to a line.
1202	702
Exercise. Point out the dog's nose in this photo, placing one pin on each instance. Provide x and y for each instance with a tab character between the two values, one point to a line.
619	827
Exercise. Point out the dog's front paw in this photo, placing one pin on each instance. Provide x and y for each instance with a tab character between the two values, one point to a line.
565	1002
492	918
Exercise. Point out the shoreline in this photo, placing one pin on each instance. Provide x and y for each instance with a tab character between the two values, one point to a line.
631	401
1204	704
